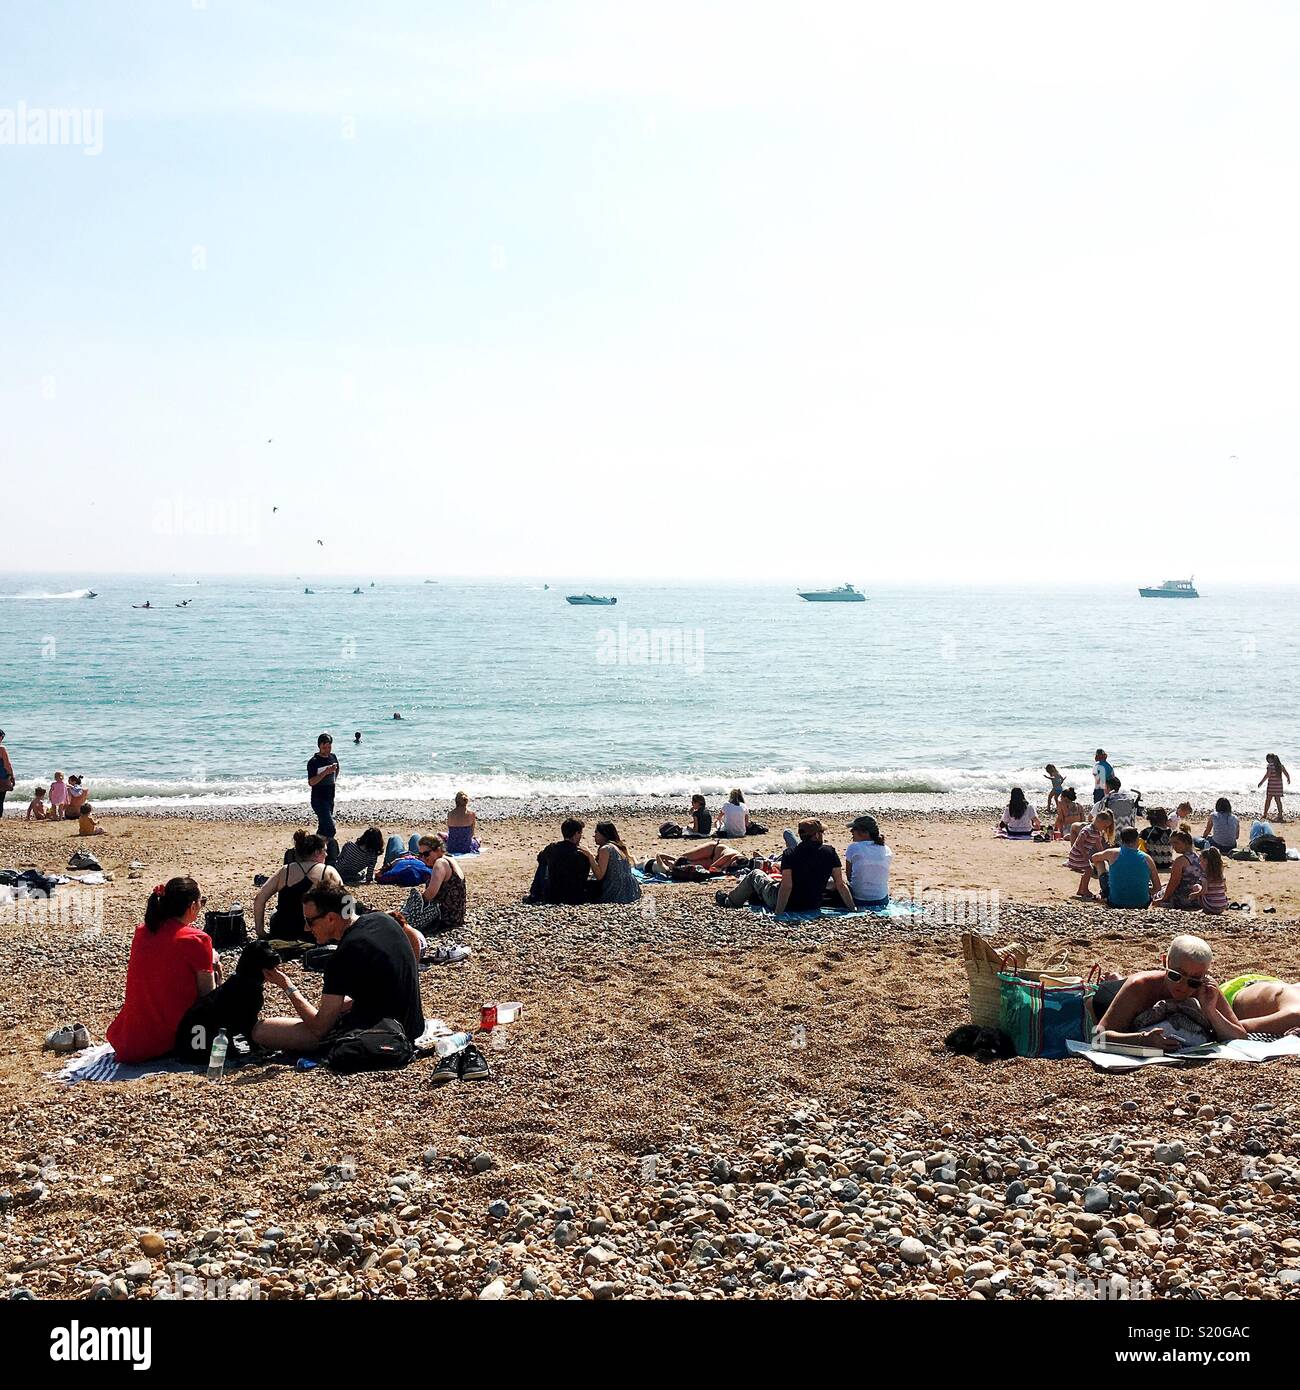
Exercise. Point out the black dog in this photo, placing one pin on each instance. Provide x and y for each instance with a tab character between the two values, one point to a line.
984	1044
234	1005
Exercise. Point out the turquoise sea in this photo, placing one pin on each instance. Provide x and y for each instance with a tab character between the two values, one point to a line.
504	689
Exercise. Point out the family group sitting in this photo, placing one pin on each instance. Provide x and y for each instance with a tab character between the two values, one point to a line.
1181	1006
568	872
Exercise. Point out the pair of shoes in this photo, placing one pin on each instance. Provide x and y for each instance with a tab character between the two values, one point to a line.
467	1065
721	898
72	1037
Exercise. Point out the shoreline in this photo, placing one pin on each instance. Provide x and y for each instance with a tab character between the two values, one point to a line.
912	805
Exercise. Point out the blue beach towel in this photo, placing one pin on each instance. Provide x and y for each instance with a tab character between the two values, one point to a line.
895	907
100	1063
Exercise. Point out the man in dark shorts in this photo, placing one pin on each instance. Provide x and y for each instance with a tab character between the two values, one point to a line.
322	778
372	975
805	871
562	868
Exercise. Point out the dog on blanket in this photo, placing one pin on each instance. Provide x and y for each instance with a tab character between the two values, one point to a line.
234	1005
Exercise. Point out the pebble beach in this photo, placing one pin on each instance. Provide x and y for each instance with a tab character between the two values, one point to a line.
695	1104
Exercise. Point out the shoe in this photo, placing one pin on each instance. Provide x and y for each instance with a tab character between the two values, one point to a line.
473	1065
80	1036
720	897
62	1039
446	955
448	1069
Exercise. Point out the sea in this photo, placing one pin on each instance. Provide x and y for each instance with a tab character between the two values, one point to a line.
506	691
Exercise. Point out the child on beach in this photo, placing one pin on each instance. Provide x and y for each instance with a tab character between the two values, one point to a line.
1214	893
36	808
1058	785
1274	772
58	797
1186	875
1156	838
86	821
1091	839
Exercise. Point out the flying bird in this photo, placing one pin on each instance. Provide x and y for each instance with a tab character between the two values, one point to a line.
320	542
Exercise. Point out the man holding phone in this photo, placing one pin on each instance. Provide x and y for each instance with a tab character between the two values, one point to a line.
322	778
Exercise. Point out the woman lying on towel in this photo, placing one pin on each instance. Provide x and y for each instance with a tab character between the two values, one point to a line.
716	858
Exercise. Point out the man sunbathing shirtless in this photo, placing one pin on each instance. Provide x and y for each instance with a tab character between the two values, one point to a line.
1160	1008
1265	1005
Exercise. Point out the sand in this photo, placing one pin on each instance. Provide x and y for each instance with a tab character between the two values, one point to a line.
673	1062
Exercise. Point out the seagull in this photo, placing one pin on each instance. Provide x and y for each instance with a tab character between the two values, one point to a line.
274	510
320	542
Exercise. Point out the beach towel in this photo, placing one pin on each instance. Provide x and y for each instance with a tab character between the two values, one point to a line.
895	907
1260	1048
99	1063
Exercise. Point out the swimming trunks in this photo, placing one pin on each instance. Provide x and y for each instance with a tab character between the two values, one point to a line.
1234	987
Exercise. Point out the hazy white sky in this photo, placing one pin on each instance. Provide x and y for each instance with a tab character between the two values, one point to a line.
810	291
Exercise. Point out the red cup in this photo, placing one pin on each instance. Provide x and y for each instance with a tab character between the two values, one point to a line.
487	1018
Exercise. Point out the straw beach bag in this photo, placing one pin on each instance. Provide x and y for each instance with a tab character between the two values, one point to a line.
983	964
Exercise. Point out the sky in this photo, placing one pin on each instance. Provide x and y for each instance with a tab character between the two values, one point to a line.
821	291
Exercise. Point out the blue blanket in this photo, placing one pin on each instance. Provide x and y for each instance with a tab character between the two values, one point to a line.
895	907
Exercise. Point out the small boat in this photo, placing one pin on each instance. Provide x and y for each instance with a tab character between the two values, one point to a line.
90	593
846	593
585	599
309	591
1172	588
356	591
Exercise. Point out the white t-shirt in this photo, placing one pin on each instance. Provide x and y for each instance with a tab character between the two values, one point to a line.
733	818
868	866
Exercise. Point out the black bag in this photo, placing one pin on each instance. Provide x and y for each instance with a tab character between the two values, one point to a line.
669	831
385	1047
1270	847
756	829
227	929
690	873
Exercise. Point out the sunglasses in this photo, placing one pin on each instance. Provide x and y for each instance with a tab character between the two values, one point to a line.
1191	981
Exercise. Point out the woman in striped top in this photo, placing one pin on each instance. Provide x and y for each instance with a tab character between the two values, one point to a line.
357	859
1214	895
1090	840
1274	772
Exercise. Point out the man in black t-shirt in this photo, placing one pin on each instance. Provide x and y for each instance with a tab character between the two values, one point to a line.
562	868
805	871
372	975
322	778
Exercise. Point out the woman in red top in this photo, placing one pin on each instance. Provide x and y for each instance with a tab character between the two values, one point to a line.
171	964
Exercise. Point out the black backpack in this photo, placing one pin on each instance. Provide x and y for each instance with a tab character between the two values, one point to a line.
1269	847
227	929
670	831
385	1047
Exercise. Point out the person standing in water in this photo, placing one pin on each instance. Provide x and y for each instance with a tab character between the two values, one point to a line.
322	778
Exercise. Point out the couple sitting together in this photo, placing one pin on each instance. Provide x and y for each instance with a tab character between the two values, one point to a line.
798	881
568	872
1181	1006
176	999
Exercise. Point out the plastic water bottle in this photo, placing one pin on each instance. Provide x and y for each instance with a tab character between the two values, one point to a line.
451	1044
217	1057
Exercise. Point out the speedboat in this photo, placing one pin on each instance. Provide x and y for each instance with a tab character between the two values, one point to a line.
1171	588
90	593
585	599
846	593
